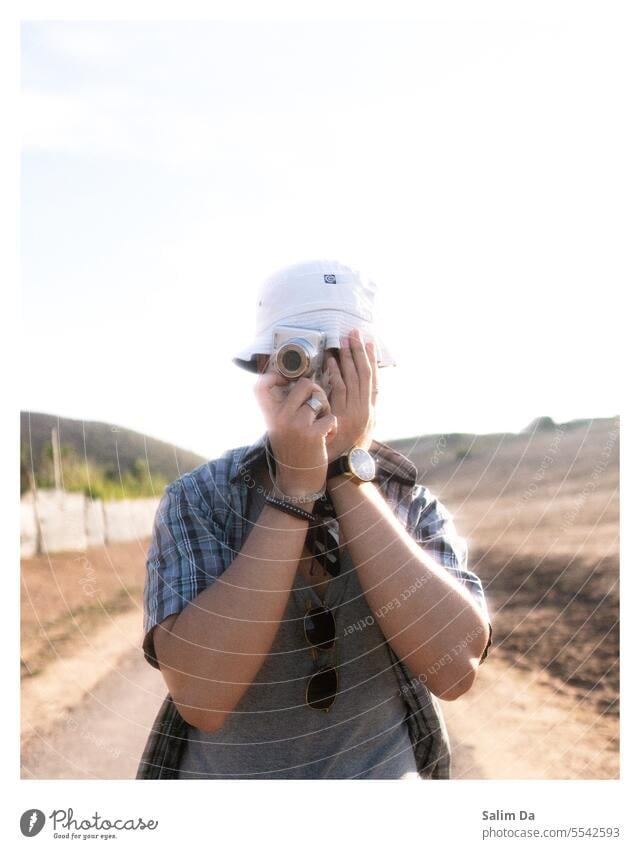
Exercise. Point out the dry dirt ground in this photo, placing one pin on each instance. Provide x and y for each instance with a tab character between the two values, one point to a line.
64	597
82	722
540	512
542	521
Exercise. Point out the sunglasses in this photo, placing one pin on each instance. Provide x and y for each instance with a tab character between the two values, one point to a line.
320	633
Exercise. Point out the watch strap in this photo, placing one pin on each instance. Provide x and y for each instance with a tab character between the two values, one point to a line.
338	466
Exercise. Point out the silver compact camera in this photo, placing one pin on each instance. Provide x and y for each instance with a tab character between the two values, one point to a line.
298	352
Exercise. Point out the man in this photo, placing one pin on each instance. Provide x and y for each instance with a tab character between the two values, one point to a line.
306	600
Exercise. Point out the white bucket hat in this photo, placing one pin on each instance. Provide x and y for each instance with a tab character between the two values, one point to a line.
321	295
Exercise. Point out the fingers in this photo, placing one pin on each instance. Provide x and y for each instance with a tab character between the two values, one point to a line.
338	390
361	361
301	391
264	386
319	394
348	369
268	379
358	374
373	362
326	425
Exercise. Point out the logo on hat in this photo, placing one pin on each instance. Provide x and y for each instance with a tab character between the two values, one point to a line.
329	278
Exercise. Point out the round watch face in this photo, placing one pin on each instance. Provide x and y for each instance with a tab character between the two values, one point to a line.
362	464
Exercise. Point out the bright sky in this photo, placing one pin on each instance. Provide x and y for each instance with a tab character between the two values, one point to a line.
475	170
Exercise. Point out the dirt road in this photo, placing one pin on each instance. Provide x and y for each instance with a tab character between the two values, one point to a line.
104	735
519	724
512	724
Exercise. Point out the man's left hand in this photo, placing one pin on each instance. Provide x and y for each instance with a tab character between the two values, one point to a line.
354	388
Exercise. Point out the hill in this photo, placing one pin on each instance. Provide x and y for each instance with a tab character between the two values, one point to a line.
540	513
101	459
548	458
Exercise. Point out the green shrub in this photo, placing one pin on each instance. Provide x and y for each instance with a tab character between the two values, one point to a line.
95	481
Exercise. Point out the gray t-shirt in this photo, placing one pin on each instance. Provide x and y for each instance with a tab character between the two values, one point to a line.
273	733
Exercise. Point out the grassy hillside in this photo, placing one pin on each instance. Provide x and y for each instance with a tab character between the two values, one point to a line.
546	457
540	513
102	460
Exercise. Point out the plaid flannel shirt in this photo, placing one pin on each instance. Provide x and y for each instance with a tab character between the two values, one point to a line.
200	526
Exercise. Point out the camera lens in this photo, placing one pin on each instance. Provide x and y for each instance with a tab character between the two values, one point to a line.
291	360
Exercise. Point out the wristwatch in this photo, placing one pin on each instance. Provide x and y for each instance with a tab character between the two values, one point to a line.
358	464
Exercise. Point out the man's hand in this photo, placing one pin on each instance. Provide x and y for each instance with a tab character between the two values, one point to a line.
354	388
299	437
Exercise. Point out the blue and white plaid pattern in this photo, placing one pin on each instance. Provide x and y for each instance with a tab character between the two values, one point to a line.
201	525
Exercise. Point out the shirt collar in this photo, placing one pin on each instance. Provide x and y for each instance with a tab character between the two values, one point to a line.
388	460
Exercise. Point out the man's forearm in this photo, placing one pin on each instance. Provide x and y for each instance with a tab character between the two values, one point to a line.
428	618
211	652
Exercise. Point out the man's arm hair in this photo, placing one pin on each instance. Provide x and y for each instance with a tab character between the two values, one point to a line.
429	618
212	650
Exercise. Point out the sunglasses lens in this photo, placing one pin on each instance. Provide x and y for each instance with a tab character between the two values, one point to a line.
320	628
322	689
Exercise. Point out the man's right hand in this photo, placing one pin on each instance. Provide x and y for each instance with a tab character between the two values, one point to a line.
298	437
